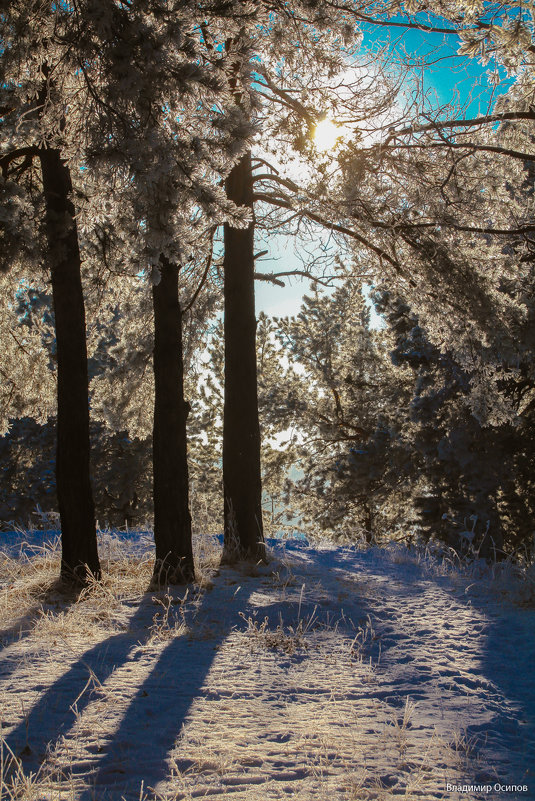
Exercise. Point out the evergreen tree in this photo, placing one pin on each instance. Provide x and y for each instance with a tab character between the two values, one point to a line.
471	485
340	397
35	114
129	78
241	428
104	88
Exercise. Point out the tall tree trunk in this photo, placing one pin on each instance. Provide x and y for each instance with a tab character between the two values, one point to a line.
172	519
75	498
241	430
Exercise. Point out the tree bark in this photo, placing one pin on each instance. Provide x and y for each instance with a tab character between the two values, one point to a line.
241	430
75	498
172	519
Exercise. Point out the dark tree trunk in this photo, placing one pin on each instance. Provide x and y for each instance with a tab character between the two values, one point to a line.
75	499
241	431
172	519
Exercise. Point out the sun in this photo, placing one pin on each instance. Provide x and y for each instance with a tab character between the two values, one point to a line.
327	134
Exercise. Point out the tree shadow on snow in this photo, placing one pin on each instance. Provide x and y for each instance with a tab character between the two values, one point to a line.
154	717
507	656
483	651
54	600
139	748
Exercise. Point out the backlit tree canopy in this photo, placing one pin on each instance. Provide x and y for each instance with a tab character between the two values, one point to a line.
344	122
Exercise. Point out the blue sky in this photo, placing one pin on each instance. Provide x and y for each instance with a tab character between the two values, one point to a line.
450	74
451	77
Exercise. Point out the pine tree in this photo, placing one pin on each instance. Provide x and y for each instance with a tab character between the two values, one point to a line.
149	86
34	121
75	497
241	428
341	397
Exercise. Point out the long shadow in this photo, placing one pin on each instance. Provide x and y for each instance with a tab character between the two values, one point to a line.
508	660
53	713
24	624
21	628
140	746
502	745
173	676
138	749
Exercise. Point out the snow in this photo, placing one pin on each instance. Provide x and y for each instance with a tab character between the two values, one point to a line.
331	673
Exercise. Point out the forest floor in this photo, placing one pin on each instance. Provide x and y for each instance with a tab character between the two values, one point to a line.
331	673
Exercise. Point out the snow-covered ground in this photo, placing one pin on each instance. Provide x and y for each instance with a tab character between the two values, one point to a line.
332	673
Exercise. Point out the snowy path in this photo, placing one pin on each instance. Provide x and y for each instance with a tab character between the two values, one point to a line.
332	674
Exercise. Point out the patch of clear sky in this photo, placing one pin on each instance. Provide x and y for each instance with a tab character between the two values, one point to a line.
447	78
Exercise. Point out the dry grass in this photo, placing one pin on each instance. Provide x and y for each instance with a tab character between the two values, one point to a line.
18	785
28	581
33	597
323	730
34	604
511	579
288	638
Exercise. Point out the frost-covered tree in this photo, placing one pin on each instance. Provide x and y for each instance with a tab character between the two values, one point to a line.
380	428
336	400
376	225
150	108
289	47
37	177
175	142
124	97
474	490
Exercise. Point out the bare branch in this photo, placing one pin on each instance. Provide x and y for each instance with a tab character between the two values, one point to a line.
269	278
502	151
22	152
287	98
205	273
438	125
274	277
341	229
